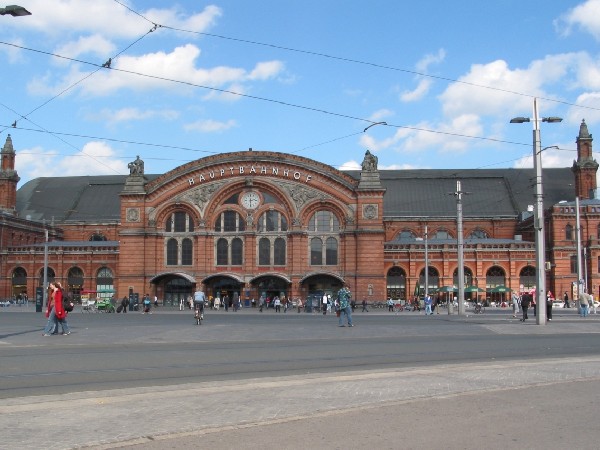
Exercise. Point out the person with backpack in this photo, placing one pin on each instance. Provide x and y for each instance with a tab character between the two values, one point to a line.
344	297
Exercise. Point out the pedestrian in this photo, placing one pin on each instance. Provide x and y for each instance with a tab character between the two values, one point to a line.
592	305
364	305
61	314
566	300
353	305
549	301
525	302
428	311
344	297
277	303
124	303
226	302
147	304
515	304
236	301
390	305
324	304
52	324
261	303
584	303
299	304
155	301
534	305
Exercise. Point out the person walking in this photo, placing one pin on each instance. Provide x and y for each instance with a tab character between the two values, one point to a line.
124	303
549	301
324	304
390	305
52	324
584	303
428	311
261	303
515	304
566	300
344	297
525	302
61	314
592	305
364	305
277	303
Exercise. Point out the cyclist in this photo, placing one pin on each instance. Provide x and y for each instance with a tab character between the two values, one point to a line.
199	300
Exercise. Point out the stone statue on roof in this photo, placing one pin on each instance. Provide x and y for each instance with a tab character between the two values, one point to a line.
369	164
136	167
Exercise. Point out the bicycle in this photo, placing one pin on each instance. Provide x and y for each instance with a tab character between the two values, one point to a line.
198	312
479	309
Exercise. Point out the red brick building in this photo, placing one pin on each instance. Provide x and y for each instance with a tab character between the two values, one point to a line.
265	223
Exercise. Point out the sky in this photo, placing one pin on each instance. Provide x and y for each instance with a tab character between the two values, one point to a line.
190	79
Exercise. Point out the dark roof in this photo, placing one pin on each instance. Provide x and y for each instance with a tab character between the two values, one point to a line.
409	193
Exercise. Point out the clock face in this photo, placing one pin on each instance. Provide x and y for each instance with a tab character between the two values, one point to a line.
250	200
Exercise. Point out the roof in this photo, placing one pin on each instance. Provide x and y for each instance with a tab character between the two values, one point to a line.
409	193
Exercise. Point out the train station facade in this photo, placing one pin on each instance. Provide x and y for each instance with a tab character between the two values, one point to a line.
266	223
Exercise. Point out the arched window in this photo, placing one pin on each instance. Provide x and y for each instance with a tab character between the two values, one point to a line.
495	276
323	229
316	252
104	282
271	221
49	277
433	280
468	277
222	252
527	278
441	234
331	251
172	252
478	233
569	232
406	234
229	222
279	252
187	252
237	252
396	283
324	221
179	222
264	252
97	237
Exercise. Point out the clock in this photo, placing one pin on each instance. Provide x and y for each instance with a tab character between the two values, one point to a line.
250	200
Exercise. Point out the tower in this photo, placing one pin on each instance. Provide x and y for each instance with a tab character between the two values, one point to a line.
585	167
8	178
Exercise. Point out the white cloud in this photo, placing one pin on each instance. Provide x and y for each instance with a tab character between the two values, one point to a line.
113	117
424	84
180	65
585	16
381	114
59	18
465	96
350	165
592	116
14	54
96	158
209	126
94	44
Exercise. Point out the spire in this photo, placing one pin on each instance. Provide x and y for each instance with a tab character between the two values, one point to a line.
583	131
8	146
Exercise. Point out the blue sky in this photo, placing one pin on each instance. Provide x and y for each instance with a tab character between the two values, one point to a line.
303	77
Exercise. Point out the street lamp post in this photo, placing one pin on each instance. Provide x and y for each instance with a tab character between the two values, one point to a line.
14	10
538	216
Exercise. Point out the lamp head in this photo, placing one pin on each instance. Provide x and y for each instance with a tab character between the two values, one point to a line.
14	10
552	119
520	120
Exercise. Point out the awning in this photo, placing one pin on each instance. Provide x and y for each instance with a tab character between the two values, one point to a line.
189	278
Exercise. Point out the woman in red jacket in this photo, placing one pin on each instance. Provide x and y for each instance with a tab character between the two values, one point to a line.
59	310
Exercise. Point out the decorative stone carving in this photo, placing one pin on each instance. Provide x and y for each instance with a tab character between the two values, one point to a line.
370	211
300	194
296	221
132	215
200	196
369	163
136	167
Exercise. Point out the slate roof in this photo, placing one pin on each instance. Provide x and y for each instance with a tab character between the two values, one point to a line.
409	193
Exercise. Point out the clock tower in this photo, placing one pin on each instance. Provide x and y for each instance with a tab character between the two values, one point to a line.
8	178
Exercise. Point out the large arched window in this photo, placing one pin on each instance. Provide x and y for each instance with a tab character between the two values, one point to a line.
527	278
495	276
272	246
172	252
478	233
187	252
104	282
179	244
229	222
222	252
237	252
49	277
323	229
396	283
179	222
